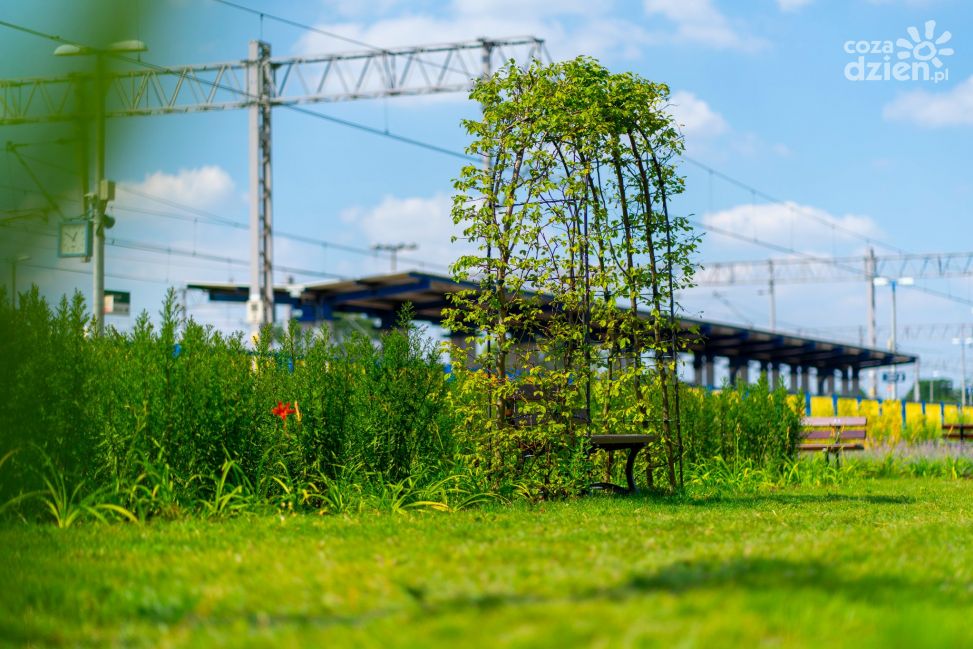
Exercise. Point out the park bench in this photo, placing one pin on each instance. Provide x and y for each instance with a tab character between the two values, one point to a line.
611	443
833	435
962	432
632	443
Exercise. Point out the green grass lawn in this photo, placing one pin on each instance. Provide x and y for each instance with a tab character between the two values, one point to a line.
873	563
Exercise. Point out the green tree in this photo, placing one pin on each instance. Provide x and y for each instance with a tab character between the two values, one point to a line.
575	244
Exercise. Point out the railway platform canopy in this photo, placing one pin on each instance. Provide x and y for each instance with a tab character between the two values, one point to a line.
833	367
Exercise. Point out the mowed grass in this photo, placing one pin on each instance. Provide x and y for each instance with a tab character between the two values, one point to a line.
871	563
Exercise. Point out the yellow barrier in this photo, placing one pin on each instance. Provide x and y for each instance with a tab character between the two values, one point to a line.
890	422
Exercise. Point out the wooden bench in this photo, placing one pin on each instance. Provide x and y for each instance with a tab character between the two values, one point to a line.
833	435
611	443
962	432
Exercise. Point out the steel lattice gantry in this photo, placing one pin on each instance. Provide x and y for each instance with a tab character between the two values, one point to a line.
260	83
156	90
836	269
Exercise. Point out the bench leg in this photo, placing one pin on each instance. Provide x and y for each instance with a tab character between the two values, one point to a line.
630	467
633	452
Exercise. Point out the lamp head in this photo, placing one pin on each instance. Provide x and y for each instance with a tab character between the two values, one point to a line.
128	46
118	47
71	50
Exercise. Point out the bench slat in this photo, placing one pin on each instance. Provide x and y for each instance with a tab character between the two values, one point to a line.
605	441
814	422
831	447
833	434
853	433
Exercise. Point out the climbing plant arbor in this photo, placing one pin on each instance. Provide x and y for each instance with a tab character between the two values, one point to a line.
578	261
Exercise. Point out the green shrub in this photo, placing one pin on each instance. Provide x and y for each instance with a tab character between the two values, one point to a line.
179	417
748	423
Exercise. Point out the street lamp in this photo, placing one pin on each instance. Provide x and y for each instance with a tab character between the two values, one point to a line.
393	249
104	190
892	282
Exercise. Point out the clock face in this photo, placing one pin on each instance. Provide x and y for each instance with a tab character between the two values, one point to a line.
75	240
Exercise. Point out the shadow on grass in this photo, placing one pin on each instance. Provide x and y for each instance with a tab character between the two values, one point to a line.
749	499
798	499
792	579
753	574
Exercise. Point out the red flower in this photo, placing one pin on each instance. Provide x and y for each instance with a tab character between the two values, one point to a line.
282	410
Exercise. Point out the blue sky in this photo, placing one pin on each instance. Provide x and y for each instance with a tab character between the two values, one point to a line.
758	86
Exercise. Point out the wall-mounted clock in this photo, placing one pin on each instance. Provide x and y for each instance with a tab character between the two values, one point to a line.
75	239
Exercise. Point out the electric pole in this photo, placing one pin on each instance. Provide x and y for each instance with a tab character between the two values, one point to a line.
98	220
773	299
393	250
870	281
260	305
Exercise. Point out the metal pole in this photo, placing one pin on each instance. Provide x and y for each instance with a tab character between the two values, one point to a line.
870	278
773	301
98	253
260	306
895	384
487	55
266	186
915	389
962	356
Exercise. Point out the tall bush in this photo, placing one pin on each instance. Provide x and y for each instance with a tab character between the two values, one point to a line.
168	408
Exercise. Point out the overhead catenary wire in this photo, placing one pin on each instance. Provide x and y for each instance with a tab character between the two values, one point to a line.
222	220
754	192
122	276
445	151
170	250
299	25
217	219
214	84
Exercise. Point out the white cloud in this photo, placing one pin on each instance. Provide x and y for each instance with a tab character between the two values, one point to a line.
700	22
425	221
702	126
793	5
203	187
790	224
694	116
931	110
